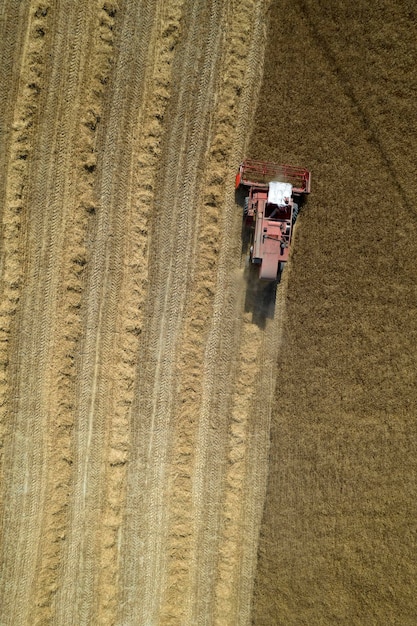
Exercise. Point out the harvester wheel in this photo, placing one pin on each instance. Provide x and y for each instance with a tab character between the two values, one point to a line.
295	211
246	206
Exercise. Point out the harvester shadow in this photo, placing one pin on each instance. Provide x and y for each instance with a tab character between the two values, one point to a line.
260	296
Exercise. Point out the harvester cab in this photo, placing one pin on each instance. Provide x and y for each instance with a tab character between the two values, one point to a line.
274	195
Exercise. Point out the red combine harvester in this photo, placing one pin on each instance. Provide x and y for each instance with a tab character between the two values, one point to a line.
275	195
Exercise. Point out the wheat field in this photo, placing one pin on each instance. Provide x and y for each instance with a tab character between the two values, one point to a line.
179	444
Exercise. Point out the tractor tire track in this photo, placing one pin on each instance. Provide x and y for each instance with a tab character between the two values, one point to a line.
68	331
13	21
242	63
188	121
11	186
247	468
145	152
347	86
205	369
59	131
97	387
26	452
247	430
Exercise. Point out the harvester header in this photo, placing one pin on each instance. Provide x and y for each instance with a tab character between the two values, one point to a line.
261	173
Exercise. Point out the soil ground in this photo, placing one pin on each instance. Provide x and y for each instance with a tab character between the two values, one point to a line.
179	445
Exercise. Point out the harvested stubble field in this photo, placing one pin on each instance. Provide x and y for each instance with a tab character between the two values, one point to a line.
172	453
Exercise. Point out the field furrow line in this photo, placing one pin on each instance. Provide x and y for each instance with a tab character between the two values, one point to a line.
54	183
42	410
195	148
233	534
247	467
79	209
148	132
13	25
188	470
248	433
97	387
27	362
173	227
222	342
15	201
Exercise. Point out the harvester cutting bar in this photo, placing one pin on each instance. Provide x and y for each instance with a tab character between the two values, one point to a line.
252	173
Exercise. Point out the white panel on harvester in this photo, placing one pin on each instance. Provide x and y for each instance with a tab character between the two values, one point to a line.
279	192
